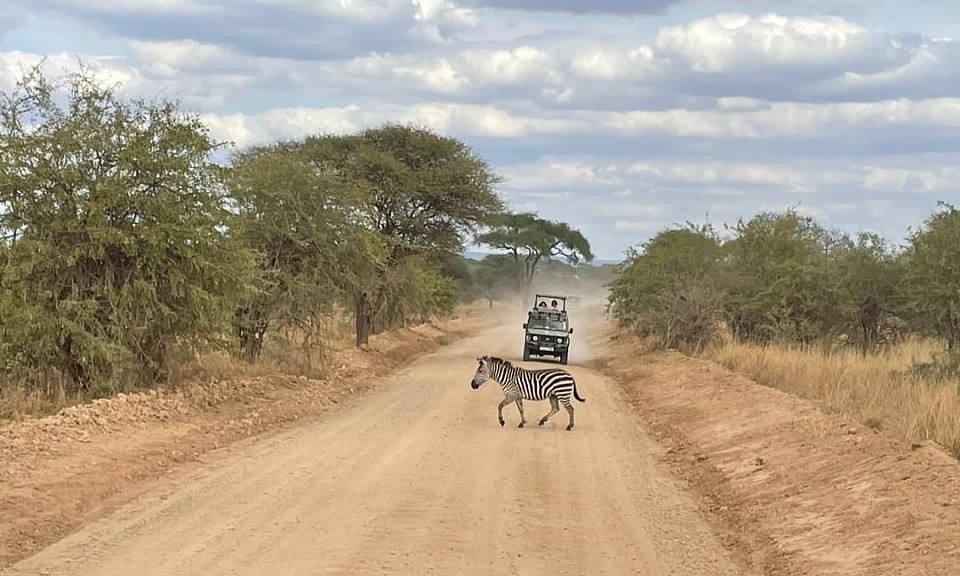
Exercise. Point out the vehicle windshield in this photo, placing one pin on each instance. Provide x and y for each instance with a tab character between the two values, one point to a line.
545	324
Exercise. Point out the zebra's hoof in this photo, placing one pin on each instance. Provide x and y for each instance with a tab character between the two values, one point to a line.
569	428
501	423
520	425
541	423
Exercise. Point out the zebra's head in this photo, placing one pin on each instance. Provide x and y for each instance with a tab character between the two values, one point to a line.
489	367
482	374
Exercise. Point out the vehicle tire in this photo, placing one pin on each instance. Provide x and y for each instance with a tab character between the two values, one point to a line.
526	354
563	358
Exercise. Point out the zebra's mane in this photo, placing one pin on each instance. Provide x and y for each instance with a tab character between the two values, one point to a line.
499	360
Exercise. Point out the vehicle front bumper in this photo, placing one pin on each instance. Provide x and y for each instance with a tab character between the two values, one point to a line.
547	345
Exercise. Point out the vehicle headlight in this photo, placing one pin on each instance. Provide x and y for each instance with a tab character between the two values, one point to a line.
559	340
534	338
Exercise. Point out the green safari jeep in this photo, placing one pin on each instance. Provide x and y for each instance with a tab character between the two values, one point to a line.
547	329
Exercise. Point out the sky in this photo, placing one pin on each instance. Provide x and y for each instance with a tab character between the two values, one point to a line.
621	117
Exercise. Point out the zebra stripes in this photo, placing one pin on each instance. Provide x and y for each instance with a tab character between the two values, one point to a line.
519	384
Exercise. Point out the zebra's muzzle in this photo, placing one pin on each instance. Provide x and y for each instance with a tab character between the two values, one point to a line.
474	385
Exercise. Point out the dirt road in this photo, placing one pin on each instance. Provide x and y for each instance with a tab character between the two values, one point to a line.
418	478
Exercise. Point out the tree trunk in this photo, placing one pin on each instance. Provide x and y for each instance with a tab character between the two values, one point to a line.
870	323
71	366
152	356
949	325
251	328
525	294
363	320
251	343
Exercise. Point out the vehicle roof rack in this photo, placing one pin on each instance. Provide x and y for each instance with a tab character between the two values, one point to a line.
547	300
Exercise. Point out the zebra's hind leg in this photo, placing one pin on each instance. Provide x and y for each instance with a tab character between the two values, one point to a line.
554	408
569	407
520	408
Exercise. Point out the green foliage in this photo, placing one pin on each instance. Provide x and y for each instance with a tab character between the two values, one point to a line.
124	248
424	192
295	218
668	290
781	277
933	274
112	219
422	195
780	286
414	290
869	276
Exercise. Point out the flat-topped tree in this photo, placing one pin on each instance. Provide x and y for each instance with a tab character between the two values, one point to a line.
529	239
422	193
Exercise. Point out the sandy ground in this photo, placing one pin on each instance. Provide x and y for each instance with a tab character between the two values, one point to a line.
676	466
417	477
60	472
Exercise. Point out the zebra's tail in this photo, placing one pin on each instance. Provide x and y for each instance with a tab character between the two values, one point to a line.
577	395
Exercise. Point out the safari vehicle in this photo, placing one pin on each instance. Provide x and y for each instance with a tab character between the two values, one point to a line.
547	330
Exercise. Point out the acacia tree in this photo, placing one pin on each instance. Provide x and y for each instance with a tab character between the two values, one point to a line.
112	216
529	239
779	283
668	288
933	272
297	220
869	277
423	195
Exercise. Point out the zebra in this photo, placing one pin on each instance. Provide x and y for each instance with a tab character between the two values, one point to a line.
519	384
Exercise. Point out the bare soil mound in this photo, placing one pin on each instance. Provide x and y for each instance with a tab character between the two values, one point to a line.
800	490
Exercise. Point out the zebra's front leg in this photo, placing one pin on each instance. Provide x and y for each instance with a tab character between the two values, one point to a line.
554	408
520	408
503	403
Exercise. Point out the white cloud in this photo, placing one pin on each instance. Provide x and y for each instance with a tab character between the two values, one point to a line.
622	7
778	121
911	181
183	71
297	29
740	42
729	61
619	126
638	225
726	173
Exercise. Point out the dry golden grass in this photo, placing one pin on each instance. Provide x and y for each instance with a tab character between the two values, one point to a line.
880	391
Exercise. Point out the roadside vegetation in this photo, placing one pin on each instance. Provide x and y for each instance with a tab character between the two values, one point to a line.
868	328
129	253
